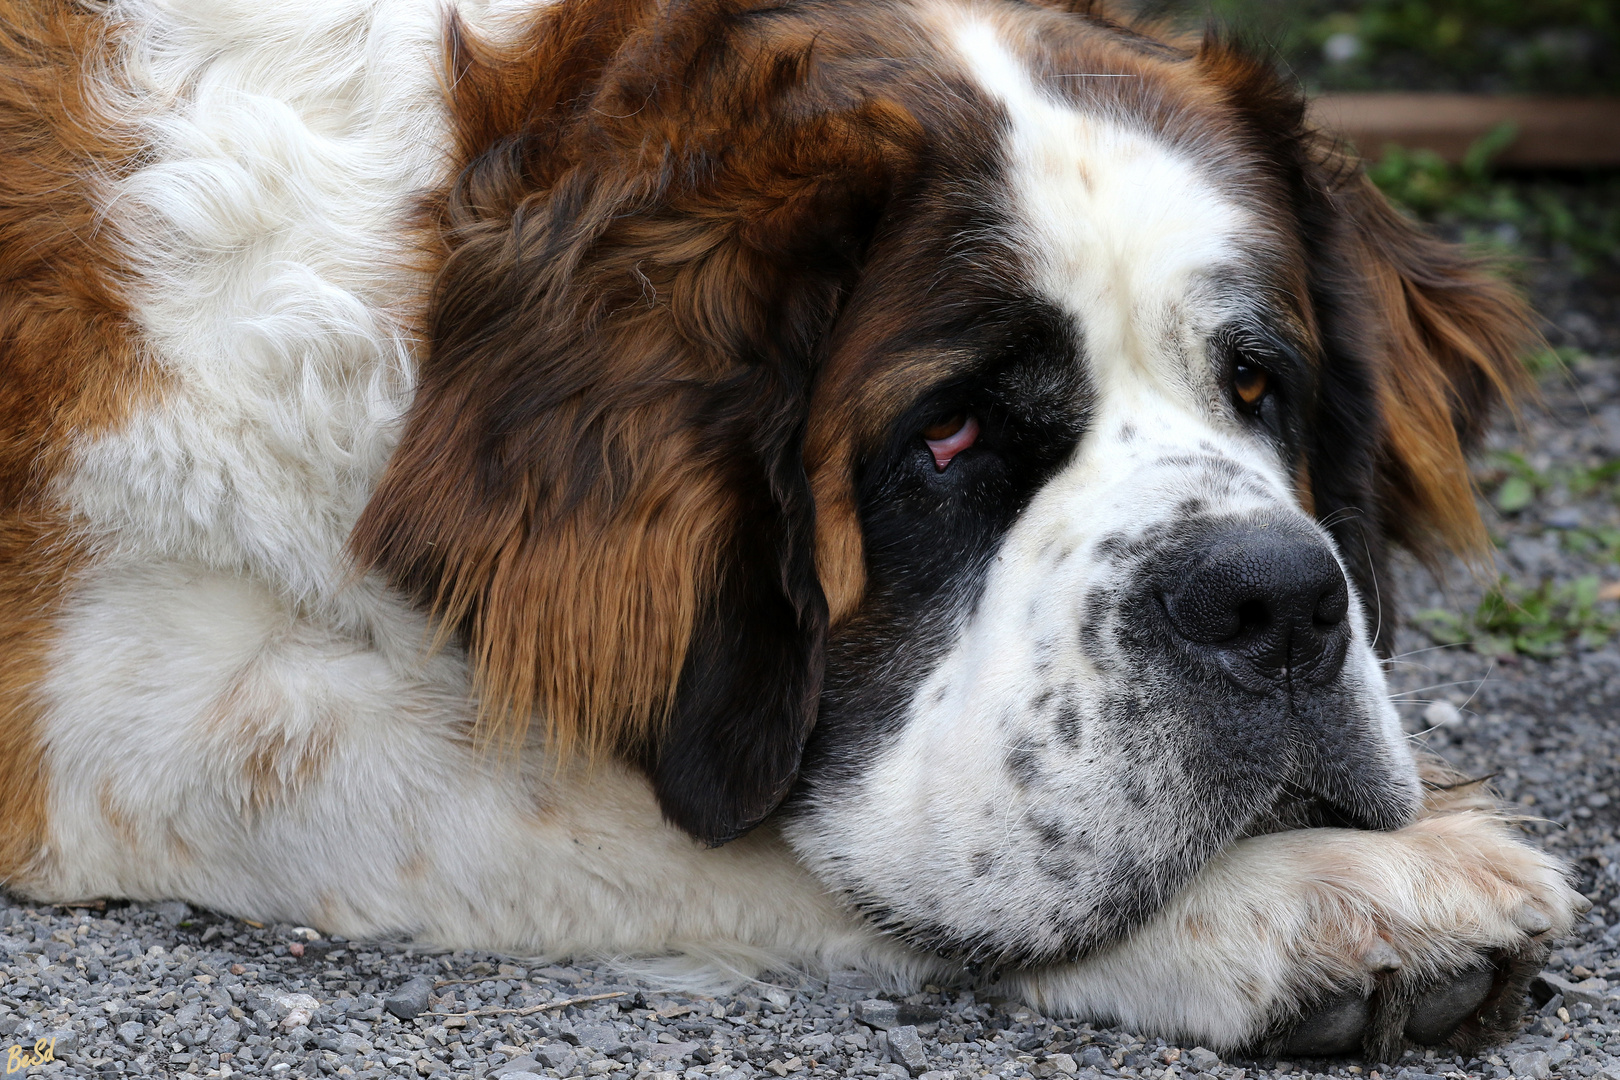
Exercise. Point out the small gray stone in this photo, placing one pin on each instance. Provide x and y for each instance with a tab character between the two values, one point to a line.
1565	517
851	985
1594	992
410	999
518	1067
173	912
603	1038
130	1032
292	1010
877	1013
884	1015
225	1037
61	1040
559	1056
906	1049
1202	1059
352	1043
1532	1066
676	1050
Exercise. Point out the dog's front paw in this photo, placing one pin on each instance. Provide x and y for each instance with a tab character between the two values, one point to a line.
1424	937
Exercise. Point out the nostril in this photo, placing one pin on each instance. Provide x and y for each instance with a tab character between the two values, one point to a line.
1331	607
1253	617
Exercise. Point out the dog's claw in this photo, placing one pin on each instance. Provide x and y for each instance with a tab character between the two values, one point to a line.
1438	1013
1334	1029
1381	957
1532	920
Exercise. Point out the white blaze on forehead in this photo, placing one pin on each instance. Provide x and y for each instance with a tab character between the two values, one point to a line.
1121	230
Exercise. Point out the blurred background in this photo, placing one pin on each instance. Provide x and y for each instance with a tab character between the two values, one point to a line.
1496	120
1476	46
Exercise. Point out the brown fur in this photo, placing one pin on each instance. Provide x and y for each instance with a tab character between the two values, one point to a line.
1452	337
580	570
68	360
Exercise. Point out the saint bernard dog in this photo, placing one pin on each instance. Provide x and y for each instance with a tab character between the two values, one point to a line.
903	484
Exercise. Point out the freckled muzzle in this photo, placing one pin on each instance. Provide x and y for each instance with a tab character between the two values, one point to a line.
1091	742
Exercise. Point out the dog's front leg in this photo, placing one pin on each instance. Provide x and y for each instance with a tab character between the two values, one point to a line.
1326	941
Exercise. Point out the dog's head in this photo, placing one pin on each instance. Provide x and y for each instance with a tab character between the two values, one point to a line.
998	412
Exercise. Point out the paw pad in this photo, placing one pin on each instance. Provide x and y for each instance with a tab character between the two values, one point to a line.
1464	1010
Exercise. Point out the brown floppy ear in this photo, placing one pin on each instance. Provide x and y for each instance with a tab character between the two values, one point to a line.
1446	336
600	484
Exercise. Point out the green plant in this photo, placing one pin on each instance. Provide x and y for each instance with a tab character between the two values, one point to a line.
1599	545
1510	218
1519	483
1514	483
1543	622
1552	360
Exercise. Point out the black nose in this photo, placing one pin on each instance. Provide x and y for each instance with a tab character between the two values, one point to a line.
1267	600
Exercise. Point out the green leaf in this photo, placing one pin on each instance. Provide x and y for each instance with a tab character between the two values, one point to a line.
1514	495
1477	160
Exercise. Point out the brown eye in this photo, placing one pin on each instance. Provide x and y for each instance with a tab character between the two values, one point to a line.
1250	383
945	428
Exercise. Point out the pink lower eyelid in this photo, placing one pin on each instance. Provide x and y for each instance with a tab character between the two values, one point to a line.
946	449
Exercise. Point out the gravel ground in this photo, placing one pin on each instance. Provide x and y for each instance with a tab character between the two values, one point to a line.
161	990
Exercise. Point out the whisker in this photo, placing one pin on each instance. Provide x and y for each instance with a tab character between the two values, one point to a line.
1488	673
1436	686
1431	648
1343	513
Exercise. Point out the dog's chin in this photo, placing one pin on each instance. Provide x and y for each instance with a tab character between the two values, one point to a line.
1297	807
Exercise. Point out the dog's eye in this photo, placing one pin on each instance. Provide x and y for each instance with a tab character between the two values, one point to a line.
950	437
1250	383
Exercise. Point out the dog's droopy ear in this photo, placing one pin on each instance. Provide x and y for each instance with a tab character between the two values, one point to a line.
600	485
1445	337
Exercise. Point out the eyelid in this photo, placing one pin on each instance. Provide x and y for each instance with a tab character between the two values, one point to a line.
946	449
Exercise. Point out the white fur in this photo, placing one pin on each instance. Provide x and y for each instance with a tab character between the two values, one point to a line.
232	722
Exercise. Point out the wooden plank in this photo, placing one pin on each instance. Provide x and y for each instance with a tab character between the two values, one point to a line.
1553	132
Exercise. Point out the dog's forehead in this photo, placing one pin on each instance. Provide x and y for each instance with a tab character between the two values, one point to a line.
1118	226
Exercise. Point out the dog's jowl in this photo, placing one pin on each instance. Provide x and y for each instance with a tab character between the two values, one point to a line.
906	485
